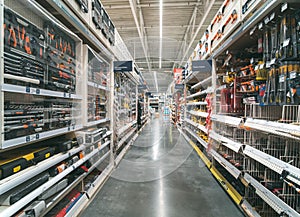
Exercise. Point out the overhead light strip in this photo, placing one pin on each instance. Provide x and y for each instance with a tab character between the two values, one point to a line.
160	30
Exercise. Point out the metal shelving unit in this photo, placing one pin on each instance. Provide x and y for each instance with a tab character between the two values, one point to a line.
68	18
253	143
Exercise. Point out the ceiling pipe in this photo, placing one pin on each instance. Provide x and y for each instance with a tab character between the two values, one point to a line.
204	17
133	10
155	5
187	31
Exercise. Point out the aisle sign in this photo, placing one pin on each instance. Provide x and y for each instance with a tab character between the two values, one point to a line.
179	86
177	75
202	66
123	66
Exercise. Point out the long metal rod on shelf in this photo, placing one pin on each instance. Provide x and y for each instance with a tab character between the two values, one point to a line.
275	202
228	166
206	80
273	163
235	146
11	210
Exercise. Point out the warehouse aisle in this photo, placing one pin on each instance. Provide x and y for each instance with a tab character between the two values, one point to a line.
161	176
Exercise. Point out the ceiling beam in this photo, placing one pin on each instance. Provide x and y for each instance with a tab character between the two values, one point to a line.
133	10
184	41
154	5
204	17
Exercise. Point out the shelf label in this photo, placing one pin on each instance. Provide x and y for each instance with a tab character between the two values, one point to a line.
266	20
261	66
37	136
273	61
293	75
37	91
272	16
281	79
284	7
286	42
27	89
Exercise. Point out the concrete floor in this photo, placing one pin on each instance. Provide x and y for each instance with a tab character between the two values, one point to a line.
161	176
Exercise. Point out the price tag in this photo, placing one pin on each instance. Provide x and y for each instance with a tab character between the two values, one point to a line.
38	91
293	75
273	61
37	136
260	26
70	95
272	16
284	7
27	89
27	138
266	20
65	95
69	128
281	79
286	42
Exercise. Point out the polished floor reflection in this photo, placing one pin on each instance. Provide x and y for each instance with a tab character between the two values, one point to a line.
161	176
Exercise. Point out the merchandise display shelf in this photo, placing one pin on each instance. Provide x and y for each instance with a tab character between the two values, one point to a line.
39	136
234	146
39	92
276	203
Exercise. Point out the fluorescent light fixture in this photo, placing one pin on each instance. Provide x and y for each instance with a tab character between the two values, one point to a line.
160	30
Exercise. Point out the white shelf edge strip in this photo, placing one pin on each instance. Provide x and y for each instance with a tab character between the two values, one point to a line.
199	126
74	211
281	129
197	103
120	143
228	166
42	135
99	162
235	146
202	142
99	181
63	192
18	178
273	163
227	120
121	155
200	114
38	91
95	85
276	203
202	82
198	94
97	122
123	129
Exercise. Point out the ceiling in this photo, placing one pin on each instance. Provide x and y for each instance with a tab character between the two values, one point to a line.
138	23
